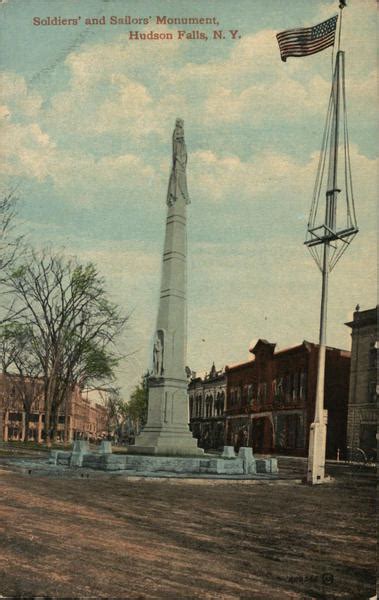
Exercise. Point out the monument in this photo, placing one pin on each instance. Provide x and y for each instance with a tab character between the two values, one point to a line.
166	446
167	431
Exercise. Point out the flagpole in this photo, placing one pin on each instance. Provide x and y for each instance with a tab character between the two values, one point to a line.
341	6
318	429
326	238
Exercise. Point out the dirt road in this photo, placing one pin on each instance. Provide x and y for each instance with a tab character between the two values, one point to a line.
109	537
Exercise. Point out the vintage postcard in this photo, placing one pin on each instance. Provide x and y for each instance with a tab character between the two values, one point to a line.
188	228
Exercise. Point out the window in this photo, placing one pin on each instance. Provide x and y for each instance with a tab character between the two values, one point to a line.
295	390
303	385
262	391
15	416
245	394
372	391
250	393
373	354
222	403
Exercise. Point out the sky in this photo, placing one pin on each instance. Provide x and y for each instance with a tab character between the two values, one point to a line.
86	118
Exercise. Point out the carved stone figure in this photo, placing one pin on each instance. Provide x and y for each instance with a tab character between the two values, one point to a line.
177	186
158	354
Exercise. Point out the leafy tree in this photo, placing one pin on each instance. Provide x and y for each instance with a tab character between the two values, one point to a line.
72	322
138	405
117	413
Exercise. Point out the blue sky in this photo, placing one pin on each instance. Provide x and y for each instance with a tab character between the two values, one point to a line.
86	122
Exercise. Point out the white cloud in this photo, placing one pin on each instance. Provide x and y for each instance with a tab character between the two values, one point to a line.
270	174
21	101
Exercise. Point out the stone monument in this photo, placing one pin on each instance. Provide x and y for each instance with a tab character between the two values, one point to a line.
167	431
166	445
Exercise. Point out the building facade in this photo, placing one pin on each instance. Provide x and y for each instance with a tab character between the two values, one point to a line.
362	409
79	417
269	401
207	401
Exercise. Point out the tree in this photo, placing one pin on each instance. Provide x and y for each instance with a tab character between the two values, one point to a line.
10	244
17	354
72	323
138	405
117	413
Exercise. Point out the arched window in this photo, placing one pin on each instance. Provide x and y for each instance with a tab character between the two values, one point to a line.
222	403
208	405
198	406
303	385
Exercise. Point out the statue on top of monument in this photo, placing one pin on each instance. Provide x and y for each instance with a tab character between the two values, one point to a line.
177	186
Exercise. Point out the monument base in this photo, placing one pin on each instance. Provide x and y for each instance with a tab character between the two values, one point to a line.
167	442
243	465
166	431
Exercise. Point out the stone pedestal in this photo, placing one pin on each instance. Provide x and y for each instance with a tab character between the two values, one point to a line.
81	447
228	452
167	432
248	461
105	447
316	453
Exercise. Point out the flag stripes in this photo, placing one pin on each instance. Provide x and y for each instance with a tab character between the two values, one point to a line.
308	40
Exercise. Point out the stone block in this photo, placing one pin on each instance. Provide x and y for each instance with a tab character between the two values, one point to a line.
105	447
113	462
267	465
53	457
63	458
246	455
228	452
81	446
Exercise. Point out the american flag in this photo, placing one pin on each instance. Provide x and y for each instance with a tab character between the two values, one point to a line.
308	40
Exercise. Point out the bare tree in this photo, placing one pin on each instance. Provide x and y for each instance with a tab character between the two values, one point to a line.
73	325
8	242
10	245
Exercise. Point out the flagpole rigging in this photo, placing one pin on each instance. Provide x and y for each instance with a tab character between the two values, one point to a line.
327	241
329	231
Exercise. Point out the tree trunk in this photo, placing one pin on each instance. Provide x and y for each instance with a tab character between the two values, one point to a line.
47	425
54	423
26	424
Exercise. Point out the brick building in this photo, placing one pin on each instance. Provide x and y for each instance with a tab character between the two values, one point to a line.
362	409
80	416
269	401
206	408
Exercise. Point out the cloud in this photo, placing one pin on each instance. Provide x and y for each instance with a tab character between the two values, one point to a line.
100	148
114	88
14	93
271	177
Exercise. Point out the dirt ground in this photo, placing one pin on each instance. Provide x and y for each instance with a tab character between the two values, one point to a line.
107	536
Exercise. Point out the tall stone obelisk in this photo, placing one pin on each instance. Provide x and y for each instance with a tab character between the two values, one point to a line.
167	431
